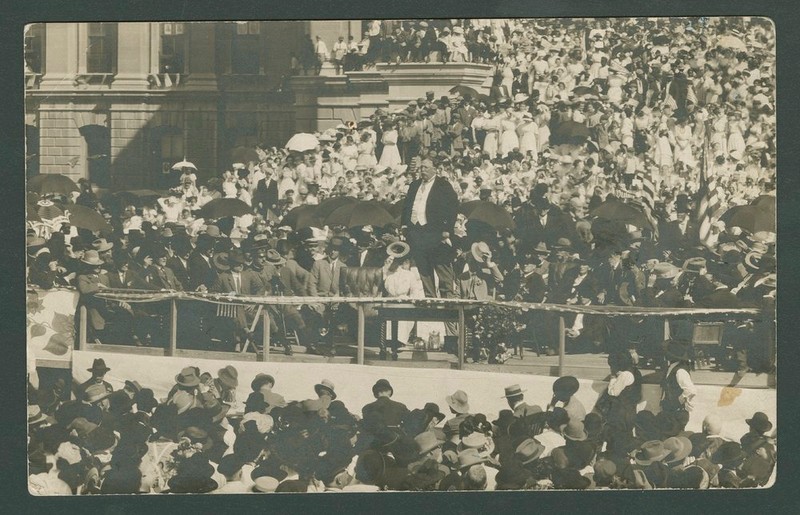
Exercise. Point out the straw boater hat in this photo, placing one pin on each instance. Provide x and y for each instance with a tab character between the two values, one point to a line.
513	391
398	249
481	252
470	457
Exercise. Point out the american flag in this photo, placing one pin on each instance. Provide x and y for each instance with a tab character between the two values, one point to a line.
709	209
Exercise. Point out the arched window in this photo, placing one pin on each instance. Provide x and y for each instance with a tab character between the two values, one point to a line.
98	153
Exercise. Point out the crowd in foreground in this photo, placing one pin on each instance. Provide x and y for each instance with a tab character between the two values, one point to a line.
198	439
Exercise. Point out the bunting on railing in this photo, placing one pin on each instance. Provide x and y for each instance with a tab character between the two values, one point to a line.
606	310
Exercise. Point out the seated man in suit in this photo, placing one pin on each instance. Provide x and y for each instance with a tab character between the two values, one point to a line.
239	281
325	280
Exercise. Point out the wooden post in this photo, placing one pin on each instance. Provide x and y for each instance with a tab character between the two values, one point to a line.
264	354
562	345
462	337
173	332
81	344
361	330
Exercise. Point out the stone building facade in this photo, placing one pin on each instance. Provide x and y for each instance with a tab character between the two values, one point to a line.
118	103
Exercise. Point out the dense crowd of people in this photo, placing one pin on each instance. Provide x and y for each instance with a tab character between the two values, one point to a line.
126	441
615	162
617	147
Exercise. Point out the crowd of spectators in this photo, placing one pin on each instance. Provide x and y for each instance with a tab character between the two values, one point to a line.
195	440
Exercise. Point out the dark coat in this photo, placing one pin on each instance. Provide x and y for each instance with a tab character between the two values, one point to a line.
441	209
180	270
383	412
200	272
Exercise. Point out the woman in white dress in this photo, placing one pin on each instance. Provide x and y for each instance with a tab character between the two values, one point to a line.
543	121
403	280
614	94
736	144
349	153
366	151
508	139
528	132
390	157
492	127
683	143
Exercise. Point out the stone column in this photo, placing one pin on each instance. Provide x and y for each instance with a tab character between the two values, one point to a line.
133	56
61	55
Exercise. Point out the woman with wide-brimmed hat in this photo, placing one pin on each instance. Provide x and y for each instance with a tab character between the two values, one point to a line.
89	282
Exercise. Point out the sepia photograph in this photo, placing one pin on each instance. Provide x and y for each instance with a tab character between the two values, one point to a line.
400	255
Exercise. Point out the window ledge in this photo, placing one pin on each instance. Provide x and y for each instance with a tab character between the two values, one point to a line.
166	80
86	79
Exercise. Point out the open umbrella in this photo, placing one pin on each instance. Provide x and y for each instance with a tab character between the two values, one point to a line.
139	194
184	164
765	202
661	39
731	42
224	207
487	212
331	204
750	218
467	91
396	209
87	218
302	142
580	91
361	213
615	209
54	183
301	217
48	211
31	214
244	155
570	132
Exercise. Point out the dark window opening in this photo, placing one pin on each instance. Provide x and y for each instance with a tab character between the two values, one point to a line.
246	49
34	46
101	50
173	47
98	154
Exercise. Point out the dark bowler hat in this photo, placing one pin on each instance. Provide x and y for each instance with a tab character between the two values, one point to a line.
98	367
433	409
380	386
235	257
760	422
260	380
565	387
677	350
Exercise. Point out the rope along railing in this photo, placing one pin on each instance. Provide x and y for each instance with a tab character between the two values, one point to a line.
445	304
